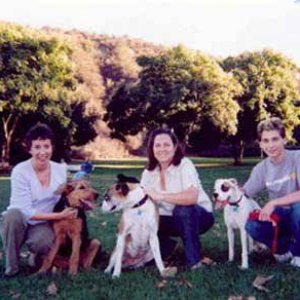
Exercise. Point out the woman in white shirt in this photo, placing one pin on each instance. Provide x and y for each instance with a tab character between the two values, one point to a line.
33	186
172	181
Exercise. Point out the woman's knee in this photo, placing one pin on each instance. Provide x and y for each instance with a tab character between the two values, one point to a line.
183	212
13	218
253	228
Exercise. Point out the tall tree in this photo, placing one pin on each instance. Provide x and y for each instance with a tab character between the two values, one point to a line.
36	81
269	87
179	89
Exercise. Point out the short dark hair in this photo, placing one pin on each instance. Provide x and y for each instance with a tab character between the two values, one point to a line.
39	131
271	124
152	161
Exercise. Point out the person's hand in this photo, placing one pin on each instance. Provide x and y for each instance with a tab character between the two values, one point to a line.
266	211
155	196
68	213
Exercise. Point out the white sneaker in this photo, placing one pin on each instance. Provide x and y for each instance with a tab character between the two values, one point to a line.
295	261
283	257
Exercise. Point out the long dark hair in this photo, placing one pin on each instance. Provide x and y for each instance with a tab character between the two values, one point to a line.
152	161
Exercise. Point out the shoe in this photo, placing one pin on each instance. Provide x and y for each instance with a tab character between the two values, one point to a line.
196	266
10	275
295	262
283	257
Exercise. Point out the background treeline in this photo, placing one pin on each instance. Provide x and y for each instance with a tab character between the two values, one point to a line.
102	94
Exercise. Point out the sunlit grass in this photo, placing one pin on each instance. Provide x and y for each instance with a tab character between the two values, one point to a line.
210	282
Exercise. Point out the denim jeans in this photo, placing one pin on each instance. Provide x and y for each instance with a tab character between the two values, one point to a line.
187	222
288	230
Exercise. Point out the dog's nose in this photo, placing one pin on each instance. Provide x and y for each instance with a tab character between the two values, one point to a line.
96	195
215	195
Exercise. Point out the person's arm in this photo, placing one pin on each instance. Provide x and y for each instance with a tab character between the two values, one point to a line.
186	197
21	199
269	207
255	182
68	213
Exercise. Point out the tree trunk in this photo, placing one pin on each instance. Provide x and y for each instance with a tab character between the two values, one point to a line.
238	152
9	126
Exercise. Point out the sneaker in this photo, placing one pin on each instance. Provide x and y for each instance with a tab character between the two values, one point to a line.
283	257
295	261
196	266
10	275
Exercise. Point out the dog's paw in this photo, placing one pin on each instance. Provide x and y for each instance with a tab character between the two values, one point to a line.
107	270
115	275
169	272
72	273
39	273
244	267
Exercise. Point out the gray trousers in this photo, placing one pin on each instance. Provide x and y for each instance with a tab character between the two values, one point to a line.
38	238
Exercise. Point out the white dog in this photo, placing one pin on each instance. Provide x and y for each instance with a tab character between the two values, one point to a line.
237	207
137	241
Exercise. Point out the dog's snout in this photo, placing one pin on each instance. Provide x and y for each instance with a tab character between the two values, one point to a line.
106	197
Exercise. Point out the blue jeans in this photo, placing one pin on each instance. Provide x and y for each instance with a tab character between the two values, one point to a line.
187	222
288	230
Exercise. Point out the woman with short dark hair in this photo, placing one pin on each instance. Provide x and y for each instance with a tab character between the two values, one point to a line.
172	181
33	186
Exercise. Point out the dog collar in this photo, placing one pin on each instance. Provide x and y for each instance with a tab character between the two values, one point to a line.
237	202
141	202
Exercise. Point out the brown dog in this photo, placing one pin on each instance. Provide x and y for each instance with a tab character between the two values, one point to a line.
71	236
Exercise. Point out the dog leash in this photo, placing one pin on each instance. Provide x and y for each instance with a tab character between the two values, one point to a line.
254	216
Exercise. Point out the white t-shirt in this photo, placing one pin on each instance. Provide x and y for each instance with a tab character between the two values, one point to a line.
27	193
178	179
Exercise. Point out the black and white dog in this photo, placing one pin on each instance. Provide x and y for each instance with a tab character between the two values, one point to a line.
137	241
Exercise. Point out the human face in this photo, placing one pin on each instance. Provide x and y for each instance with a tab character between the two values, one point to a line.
41	152
163	149
273	145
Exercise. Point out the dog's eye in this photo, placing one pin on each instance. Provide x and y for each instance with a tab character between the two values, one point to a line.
224	188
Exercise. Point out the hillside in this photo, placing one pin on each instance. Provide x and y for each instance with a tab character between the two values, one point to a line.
102	62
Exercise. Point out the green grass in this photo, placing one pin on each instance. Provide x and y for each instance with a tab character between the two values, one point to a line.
210	282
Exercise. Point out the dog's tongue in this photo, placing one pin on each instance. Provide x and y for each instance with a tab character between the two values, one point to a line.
88	205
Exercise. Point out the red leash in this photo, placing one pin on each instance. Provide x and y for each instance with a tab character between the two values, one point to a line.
254	216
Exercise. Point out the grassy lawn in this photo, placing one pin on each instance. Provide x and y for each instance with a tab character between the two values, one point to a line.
219	281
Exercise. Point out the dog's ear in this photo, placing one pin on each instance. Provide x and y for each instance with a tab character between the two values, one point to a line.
233	181
123	178
65	188
123	187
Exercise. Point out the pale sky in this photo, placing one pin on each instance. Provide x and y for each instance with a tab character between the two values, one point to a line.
217	27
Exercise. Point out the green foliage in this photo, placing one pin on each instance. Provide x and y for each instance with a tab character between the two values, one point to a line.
36	82
179	89
269	87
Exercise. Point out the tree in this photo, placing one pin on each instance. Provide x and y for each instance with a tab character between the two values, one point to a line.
36	82
269	87
179	89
